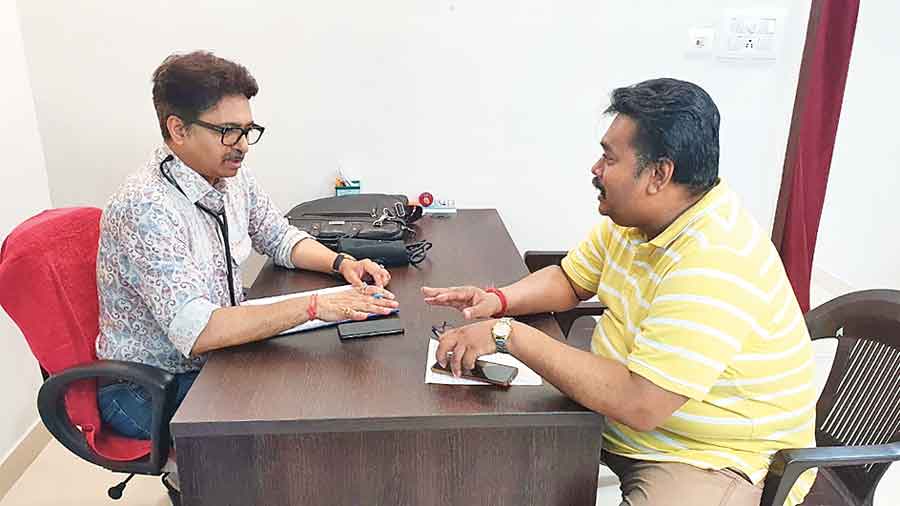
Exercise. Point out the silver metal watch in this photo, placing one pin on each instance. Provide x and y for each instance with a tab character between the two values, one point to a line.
501	332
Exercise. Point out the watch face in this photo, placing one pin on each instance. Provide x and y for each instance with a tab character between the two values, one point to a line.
502	329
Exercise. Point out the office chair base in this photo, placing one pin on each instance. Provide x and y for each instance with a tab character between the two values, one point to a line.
115	492
174	493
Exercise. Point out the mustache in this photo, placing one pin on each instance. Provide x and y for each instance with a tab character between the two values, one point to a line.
235	156
598	185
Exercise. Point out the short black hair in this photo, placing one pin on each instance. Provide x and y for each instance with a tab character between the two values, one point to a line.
676	120
186	85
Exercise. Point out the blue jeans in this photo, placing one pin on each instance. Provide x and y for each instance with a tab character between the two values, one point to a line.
126	407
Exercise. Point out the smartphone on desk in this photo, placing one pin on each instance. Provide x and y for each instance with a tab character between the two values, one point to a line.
496	374
369	328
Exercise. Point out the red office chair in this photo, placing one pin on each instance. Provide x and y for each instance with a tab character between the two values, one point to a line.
48	286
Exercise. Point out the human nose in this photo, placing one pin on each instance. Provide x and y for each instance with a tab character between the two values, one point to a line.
243	144
598	168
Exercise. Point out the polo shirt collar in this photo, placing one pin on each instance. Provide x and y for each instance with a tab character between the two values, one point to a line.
690	215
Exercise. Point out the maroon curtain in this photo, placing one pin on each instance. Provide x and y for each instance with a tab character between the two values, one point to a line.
817	109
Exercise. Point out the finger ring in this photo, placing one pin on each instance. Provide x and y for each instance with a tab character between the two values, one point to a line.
347	312
363	288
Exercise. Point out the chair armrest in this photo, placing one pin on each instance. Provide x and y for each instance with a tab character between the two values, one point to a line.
537	260
158	383
567	318
787	465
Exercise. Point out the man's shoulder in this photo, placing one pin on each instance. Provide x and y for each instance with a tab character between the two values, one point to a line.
726	235
140	196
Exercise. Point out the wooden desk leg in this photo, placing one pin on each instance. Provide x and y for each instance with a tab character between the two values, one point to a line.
491	467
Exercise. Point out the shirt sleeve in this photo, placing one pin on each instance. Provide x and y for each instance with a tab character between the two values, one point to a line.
692	331
584	264
269	230
159	266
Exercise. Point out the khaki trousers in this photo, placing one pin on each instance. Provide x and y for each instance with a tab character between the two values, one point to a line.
646	483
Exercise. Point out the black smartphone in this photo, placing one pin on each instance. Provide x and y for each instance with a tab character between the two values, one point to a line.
369	328
497	374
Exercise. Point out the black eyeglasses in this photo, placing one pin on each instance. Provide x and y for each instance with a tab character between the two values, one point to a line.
232	135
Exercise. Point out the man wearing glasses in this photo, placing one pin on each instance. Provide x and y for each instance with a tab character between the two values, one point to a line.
173	238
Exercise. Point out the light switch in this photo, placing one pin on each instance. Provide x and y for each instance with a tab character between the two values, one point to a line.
750	34
701	41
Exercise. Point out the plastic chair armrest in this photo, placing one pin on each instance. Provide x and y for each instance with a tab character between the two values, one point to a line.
787	465
159	385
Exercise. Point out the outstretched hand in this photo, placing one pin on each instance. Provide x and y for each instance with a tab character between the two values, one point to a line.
471	300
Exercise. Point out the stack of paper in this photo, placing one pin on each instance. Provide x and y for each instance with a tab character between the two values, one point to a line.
309	325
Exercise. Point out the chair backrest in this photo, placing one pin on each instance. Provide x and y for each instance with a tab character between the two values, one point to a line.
860	404
48	286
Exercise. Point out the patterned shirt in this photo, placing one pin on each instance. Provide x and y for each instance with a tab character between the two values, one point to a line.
161	263
705	310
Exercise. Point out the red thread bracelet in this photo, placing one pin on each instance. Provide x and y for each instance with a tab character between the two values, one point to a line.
311	308
503	304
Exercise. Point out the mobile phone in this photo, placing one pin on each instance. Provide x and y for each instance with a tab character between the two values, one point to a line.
497	374
369	328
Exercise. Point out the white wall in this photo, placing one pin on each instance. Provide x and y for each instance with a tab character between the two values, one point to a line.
858	243
23	192
490	103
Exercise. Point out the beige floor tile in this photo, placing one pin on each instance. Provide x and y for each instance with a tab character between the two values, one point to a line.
58	477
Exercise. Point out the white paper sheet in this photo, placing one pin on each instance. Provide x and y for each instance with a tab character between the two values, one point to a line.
525	377
311	324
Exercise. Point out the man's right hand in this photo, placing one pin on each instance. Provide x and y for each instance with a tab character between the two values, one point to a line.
358	303
471	300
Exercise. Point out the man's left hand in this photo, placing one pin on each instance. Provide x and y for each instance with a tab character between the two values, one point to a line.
355	270
462	346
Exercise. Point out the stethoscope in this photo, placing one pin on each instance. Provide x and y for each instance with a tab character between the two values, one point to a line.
221	220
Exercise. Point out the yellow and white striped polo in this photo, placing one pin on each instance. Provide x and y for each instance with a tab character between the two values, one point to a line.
705	310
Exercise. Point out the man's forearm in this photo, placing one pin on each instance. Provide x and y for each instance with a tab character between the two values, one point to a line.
545	290
230	326
597	383
313	256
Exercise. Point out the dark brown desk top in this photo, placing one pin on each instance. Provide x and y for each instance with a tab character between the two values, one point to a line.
312	382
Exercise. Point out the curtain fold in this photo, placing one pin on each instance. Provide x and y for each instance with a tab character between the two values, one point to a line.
817	110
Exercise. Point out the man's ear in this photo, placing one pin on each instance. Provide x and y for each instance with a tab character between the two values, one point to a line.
177	129
661	173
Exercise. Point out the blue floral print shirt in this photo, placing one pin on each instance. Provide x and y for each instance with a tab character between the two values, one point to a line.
161	264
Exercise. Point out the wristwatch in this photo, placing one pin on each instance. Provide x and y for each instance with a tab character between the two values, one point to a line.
336	265
501	332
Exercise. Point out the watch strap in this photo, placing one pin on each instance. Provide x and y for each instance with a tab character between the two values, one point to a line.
338	260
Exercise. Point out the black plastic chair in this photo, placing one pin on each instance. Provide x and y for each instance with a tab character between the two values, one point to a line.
858	413
580	335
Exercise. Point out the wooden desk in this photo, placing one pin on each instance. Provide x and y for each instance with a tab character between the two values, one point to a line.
306	419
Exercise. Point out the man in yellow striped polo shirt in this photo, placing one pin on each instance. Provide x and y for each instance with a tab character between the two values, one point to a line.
701	361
